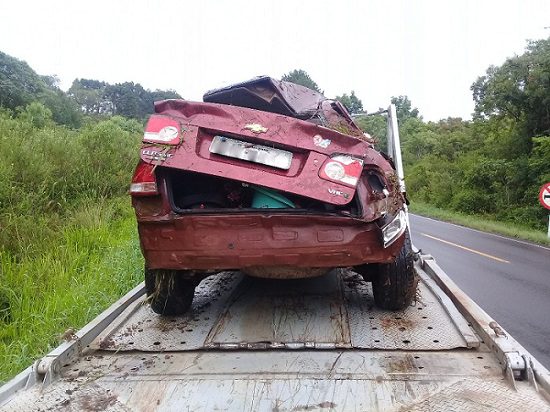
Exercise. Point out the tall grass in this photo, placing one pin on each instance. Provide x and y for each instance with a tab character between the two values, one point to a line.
67	235
63	287
49	172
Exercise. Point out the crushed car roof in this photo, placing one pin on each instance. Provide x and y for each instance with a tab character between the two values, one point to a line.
270	95
289	99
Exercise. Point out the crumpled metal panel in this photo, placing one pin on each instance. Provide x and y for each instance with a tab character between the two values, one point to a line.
270	95
311	144
337	310
257	240
286	98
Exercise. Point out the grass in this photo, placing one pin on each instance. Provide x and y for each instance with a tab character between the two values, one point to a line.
68	242
67	285
481	223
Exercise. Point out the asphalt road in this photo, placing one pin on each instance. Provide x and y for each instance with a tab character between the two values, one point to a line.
509	279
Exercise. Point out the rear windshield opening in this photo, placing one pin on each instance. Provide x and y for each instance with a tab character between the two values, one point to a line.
196	192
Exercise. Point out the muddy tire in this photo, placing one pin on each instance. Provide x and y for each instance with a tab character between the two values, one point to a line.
394	284
169	293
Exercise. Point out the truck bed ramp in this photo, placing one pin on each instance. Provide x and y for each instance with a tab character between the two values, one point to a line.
296	345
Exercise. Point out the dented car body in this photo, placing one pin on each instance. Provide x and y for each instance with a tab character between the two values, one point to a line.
266	177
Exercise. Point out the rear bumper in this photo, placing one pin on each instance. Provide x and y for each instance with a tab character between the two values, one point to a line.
205	242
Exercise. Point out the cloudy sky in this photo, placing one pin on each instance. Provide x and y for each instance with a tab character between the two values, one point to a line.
431	51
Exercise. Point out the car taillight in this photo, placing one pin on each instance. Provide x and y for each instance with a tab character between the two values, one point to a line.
162	129
144	182
343	169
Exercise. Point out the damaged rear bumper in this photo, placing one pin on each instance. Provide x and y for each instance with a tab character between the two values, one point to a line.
208	242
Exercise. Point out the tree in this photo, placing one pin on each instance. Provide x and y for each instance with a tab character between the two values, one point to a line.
299	76
519	89
89	95
376	126
130	99
127	99
403	107
352	103
51	81
20	86
37	114
64	110
164	95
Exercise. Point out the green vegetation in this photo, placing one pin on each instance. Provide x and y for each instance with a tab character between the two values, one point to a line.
94	262
493	166
67	233
127	99
20	86
50	172
352	103
301	77
68	244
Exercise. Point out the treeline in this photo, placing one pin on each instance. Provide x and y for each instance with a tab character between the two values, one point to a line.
492	166
126	99
495	164
20	85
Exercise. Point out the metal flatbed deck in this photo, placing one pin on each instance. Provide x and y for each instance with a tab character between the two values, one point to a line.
302	345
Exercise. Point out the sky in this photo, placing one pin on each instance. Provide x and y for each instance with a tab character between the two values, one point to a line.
431	51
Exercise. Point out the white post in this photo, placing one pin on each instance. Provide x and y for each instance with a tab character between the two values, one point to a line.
394	145
394	151
548	226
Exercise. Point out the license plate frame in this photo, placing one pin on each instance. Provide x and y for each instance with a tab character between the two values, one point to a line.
251	152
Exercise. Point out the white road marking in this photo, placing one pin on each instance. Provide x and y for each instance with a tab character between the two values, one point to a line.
467	248
485	233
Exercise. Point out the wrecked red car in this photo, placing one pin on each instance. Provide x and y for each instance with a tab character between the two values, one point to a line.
272	179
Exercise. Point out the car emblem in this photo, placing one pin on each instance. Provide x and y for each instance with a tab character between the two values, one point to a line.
320	142
336	192
255	128
155	155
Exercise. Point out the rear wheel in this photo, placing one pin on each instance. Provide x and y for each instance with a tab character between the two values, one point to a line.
394	284
169	292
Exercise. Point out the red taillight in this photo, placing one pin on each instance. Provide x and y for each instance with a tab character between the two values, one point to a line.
144	182
342	169
162	129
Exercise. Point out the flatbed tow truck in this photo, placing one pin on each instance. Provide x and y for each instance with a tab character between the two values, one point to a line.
315	344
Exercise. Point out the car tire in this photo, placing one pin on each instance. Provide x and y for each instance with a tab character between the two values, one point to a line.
169	293
394	284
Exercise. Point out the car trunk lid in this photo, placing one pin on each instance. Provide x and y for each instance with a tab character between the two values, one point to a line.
257	147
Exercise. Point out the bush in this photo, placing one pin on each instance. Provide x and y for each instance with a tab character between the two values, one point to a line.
67	240
49	171
472	201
